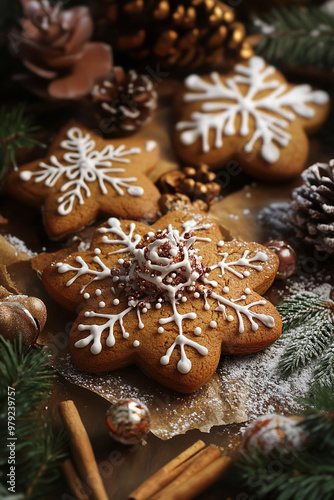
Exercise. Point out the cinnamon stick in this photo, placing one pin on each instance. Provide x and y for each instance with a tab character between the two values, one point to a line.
82	450
74	481
203	459
200	481
167	473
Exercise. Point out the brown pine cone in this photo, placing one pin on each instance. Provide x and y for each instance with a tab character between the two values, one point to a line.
179	201
197	182
311	213
124	103
171	33
54	45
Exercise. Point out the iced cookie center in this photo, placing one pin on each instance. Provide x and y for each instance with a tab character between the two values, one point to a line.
165	264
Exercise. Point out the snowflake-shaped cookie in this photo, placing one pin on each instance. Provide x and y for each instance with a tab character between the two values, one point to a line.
252	115
84	176
169	297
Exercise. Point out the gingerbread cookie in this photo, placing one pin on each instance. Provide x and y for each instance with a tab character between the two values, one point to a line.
84	176
169	298
251	115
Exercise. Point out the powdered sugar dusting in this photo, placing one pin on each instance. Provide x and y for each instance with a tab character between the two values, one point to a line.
257	374
19	245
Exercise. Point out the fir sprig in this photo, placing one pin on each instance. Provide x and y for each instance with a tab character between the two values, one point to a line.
308	329
296	474
296	35
16	131
39	452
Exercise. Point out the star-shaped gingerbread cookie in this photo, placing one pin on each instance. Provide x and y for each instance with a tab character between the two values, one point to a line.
84	176
251	115
169	298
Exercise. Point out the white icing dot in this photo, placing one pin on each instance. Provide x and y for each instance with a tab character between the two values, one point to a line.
150	145
173	252
98	292
158	305
247	291
213	324
198	330
197	295
97	251
184	299
160	329
150	234
86	295
115	302
121	261
136	343
164	360
230	317
25	175
206	307
246	273
144	310
102	304
126	335
87	314
226	289
220	243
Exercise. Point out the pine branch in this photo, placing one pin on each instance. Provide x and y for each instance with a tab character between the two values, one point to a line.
308	326
307	343
39	452
296	35
16	129
300	308
324	372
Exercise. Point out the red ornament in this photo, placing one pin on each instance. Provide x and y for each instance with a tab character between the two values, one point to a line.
271	432
128	421
287	258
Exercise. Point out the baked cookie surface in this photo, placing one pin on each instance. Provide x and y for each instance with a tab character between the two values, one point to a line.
252	115
169	298
84	176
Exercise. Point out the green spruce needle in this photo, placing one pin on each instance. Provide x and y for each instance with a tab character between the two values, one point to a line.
39	451
16	131
308	333
296	35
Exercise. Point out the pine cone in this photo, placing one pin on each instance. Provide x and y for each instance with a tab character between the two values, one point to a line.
196	182
124	103
312	212
171	33
54	45
178	201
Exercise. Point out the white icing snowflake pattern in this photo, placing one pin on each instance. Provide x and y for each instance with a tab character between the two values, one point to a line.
270	113
170	275
85	165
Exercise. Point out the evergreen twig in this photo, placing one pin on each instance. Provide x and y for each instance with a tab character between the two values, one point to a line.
308	332
296	35
39	452
16	129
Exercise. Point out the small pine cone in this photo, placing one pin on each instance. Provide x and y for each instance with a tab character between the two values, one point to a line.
186	33
179	201
125	102
311	213
196	182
